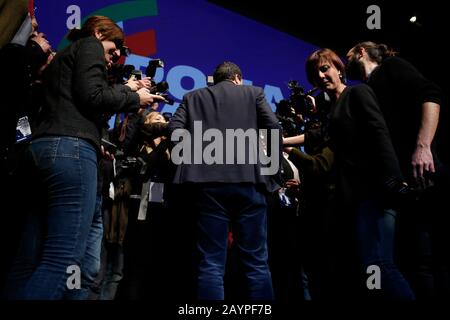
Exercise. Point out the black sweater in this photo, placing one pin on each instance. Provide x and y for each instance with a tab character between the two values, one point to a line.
401	90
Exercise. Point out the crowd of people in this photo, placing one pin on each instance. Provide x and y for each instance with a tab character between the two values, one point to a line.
354	210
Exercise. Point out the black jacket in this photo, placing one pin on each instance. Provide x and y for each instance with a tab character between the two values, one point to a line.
19	65
78	97
225	106
364	155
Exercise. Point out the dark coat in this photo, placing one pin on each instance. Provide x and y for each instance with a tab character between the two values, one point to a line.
225	106
364	155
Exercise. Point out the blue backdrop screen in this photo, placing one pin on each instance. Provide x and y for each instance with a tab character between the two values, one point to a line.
192	37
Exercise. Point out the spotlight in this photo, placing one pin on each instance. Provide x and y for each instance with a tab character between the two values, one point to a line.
415	21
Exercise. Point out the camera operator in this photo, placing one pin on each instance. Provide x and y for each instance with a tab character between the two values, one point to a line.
127	131
304	119
120	213
284	215
63	157
312	115
22	61
144	249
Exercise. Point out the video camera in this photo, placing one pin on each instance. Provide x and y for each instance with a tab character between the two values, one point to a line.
299	102
298	111
125	164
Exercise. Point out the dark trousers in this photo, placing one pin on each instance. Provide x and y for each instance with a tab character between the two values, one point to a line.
375	230
218	206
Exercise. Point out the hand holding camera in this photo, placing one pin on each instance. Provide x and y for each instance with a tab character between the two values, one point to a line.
146	98
136	84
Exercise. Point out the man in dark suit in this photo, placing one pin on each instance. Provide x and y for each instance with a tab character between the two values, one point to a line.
228	184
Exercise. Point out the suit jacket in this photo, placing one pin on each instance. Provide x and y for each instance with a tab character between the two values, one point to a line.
221	107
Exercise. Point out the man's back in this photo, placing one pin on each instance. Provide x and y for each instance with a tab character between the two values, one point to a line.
225	117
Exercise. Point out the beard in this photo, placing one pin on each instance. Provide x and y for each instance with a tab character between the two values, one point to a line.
354	70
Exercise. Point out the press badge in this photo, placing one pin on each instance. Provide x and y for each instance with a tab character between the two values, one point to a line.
156	191
151	192
23	130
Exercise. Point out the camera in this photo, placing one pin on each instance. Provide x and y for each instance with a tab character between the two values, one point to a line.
119	73
293	113
154	64
299	101
136	75
289	121
134	166
298	112
160	89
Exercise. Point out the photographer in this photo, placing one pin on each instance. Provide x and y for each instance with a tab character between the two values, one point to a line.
284	215
22	60
144	245
140	157
62	160
317	194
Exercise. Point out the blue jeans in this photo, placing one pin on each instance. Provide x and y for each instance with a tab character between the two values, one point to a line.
375	230
218	205
64	227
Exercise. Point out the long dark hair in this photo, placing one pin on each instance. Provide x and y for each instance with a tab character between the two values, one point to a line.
377	51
